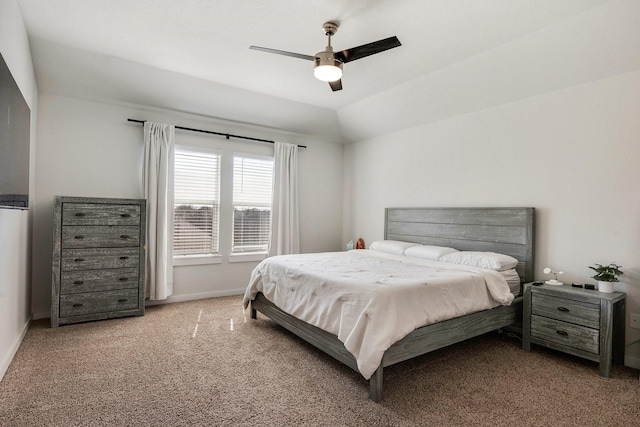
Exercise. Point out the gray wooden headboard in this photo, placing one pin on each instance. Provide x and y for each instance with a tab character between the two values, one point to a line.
508	231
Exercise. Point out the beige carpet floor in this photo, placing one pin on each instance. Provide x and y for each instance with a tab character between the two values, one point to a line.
202	363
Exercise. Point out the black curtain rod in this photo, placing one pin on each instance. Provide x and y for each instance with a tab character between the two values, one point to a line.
226	135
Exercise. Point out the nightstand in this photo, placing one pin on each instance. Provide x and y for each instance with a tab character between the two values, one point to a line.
581	322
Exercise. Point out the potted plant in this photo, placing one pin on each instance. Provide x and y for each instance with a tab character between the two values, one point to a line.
606	275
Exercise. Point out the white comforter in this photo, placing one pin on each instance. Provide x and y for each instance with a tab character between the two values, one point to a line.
371	299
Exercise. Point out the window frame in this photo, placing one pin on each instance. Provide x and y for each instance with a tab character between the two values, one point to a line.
201	258
226	150
249	255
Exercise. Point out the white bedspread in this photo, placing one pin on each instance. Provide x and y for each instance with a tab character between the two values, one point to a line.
370	299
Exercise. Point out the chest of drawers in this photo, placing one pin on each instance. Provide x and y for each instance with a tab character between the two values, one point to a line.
98	259
585	323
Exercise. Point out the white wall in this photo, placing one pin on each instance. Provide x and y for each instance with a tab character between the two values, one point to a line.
572	154
87	148
599	42
15	225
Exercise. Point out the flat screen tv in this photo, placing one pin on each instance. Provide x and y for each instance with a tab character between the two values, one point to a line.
15	119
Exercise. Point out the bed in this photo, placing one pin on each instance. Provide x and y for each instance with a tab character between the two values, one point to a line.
508	231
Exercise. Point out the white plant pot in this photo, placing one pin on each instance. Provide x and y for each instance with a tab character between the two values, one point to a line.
605	287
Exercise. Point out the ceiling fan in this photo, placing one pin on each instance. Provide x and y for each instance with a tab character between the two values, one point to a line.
328	64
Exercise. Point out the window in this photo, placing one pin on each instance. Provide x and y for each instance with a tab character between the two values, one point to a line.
252	182
196	202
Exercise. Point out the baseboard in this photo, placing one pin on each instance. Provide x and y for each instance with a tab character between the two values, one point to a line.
193	297
8	358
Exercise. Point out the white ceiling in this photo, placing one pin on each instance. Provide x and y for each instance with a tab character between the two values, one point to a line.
198	50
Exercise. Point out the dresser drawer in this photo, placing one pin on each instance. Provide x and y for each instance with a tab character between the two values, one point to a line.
100	214
79	236
567	334
99	258
98	302
567	310
75	282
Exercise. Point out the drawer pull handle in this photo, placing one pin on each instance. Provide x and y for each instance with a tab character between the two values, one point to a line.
122	300
79	237
81	214
563	333
125	215
77	304
563	309
124	257
78	282
125	237
79	259
123	279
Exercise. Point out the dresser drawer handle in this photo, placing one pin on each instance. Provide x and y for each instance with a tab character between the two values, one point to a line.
77	304
125	237
123	279
79	259
78	282
122	300
124	257
125	215
563	309
81	214
78	237
563	333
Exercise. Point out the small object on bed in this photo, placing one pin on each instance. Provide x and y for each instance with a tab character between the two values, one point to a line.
360	243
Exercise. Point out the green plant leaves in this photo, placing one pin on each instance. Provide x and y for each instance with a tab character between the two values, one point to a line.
606	273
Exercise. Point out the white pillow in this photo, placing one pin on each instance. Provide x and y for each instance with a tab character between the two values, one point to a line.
488	260
428	252
391	246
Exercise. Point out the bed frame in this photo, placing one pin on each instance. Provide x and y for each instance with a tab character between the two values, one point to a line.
505	230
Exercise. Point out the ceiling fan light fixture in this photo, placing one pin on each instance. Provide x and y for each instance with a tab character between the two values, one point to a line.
327	65
327	68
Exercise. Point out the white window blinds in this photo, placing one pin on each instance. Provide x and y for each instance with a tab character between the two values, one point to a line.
252	182
197	202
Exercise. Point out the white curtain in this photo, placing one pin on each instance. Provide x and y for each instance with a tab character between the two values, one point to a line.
159	142
285	236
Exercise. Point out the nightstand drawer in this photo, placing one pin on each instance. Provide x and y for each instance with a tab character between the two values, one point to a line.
567	310
567	334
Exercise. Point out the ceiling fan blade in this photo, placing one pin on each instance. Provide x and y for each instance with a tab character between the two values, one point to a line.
283	52
368	49
337	85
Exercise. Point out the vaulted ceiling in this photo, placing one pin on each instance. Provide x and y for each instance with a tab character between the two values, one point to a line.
456	56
